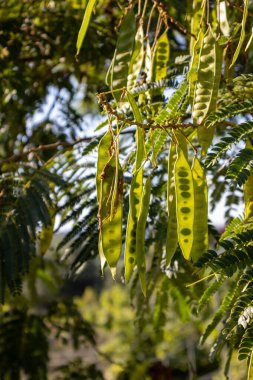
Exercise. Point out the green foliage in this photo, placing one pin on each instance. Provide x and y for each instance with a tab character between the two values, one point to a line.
168	88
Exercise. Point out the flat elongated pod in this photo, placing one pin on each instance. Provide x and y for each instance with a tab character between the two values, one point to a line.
200	226
140	143
140	234
148	62
123	53
192	76
161	57
184	202
223	18
110	221
111	225
85	24
137	58
242	36
134	209
135	194
104	155
172	238
198	11
248	190
207	86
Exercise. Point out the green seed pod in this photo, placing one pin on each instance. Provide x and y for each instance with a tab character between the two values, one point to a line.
111	225
135	194
123	53
137	58
109	182
172	238
200	226
184	202
161	57
248	190
140	234
207	86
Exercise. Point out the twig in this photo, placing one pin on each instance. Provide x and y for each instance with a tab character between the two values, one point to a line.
40	148
238	8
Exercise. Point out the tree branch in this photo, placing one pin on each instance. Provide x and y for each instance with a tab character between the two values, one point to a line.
40	148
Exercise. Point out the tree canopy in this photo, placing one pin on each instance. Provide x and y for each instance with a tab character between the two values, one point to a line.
174	85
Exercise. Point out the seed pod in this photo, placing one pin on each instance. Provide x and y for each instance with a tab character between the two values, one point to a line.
207	86
184	202
123	54
172	238
135	194
248	189
200	226
109	194
140	234
111	225
198	12
161	57
137	59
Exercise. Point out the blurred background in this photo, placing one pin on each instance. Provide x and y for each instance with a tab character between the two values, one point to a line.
69	322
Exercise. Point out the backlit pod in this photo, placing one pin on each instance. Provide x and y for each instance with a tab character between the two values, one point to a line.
135	194
148	62
198	11
161	57
248	190
140	234
207	86
184	201
123	53
200	226
224	24
193	70
197	18
137	58
172	238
